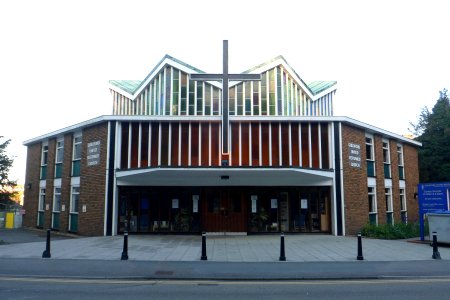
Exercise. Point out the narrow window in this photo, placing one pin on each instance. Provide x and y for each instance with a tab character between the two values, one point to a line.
403	210
56	208
44	162
74	206
41	208
76	156
370	157
389	209
386	159
401	168
372	205
59	158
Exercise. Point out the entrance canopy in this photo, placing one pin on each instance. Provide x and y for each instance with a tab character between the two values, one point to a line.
224	177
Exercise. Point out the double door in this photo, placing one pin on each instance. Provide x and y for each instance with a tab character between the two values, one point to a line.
225	210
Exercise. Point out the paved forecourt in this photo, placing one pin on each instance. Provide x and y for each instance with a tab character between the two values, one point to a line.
252	248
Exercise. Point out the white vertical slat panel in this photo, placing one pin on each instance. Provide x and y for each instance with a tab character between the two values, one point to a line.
250	144
139	144
270	144
319	131
280	154
129	145
209	144
169	142
290	145
149	144
260	144
199	144
240	144
299	144
189	144
309	145
179	144
159	143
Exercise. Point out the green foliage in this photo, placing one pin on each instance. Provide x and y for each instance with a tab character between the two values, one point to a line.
433	131
392	232
6	185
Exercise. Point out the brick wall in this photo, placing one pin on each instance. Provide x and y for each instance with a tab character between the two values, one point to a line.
31	195
355	181
411	163
379	172
395	181
66	183
92	183
50	183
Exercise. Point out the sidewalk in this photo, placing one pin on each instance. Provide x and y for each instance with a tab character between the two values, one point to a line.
252	248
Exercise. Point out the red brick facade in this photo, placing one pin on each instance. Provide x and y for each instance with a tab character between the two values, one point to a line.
92	183
355	180
31	193
93	180
412	179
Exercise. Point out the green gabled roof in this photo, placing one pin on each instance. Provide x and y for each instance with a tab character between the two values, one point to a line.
128	86
131	86
317	87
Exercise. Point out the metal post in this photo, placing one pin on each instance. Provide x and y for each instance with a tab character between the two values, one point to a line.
360	254
204	257
125	246
436	254
282	255
46	253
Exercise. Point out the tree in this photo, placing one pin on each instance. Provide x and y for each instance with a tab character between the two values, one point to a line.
433	131
6	185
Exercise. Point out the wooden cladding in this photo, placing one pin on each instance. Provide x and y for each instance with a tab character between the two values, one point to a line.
198	144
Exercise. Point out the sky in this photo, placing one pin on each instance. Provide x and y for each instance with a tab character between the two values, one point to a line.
390	58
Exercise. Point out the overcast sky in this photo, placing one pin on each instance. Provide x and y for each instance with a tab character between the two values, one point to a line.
390	58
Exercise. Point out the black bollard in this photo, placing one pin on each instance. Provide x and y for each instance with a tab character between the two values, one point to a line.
282	255
436	254
46	253
360	254
125	246
204	257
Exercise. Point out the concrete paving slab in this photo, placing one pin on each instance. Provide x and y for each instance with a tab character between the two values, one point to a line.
252	248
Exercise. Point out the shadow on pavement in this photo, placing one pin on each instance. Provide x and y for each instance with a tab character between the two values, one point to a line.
25	235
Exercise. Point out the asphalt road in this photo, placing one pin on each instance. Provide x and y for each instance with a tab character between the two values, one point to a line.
70	268
34	288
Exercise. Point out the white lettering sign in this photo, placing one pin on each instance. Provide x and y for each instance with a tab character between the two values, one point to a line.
93	153
354	155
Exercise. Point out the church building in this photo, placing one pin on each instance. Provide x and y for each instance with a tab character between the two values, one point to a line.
186	152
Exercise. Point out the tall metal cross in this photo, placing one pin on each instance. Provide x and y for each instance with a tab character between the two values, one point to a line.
225	78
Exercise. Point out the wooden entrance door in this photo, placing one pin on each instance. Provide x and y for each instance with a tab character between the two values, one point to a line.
225	211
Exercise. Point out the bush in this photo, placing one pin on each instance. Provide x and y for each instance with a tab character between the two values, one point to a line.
392	232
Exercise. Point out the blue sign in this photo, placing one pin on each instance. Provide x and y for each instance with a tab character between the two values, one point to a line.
433	197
